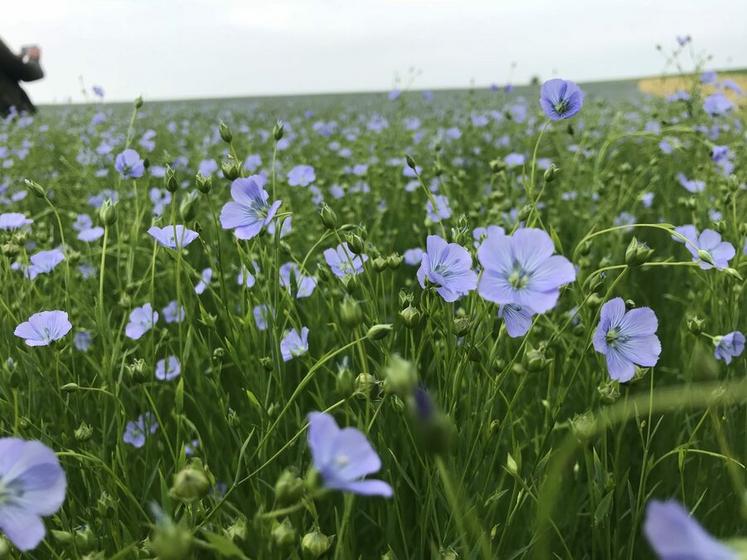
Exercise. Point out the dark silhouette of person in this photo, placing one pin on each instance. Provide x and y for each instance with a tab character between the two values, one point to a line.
15	68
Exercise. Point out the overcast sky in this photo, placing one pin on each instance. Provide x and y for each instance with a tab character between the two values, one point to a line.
213	48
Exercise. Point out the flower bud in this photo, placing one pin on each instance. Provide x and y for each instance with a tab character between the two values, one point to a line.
187	207
695	325
377	332
138	102
108	213
365	384
277	131
410	162
171	541
637	253
69	387
379	264
583	426
400	376
169	180
706	257
344	382
225	132
394	261
497	165
238	531
84	432
351	313
35	188
284	534
355	243
410	316
551	172
190	484
462	325
231	169
609	391
136	371
315	544
328	216
288	488
204	184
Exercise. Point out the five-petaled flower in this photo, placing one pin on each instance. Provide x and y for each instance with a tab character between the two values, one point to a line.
294	344
32	486
343	457
250	210
674	535
627	338
448	267
43	328
521	269
173	237
561	99
129	164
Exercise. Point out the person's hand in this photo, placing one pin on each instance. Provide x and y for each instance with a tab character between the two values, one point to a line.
34	53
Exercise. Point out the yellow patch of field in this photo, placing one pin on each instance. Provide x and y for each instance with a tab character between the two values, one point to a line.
666	85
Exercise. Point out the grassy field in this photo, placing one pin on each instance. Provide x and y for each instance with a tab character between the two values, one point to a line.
512	409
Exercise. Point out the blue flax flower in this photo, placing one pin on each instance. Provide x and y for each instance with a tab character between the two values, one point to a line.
294	344
706	248
173	237
627	338
129	164
141	321
448	266
32	486
729	346
43	328
521	269
560	99
250	210
343	457
674	535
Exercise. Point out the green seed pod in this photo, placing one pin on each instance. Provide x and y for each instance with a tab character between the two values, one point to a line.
365	384
695	325
190	484
583	426
288	488
394	261
462	325
315	544
172	541
400	376
284	534
351	313
377	332
344	383
225	132
410	316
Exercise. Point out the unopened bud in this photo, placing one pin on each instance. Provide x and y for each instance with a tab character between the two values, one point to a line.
355	243
108	212
83	432
225	132
377	332
288	488
204	184
284	534
169	180
400	376
695	325
551	172
315	544
410	316
411	162
35	188
328	216
187	207
637	253
278	130
138	102
351	313
190	484
231	169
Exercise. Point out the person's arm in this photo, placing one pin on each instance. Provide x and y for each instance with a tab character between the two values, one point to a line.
14	67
